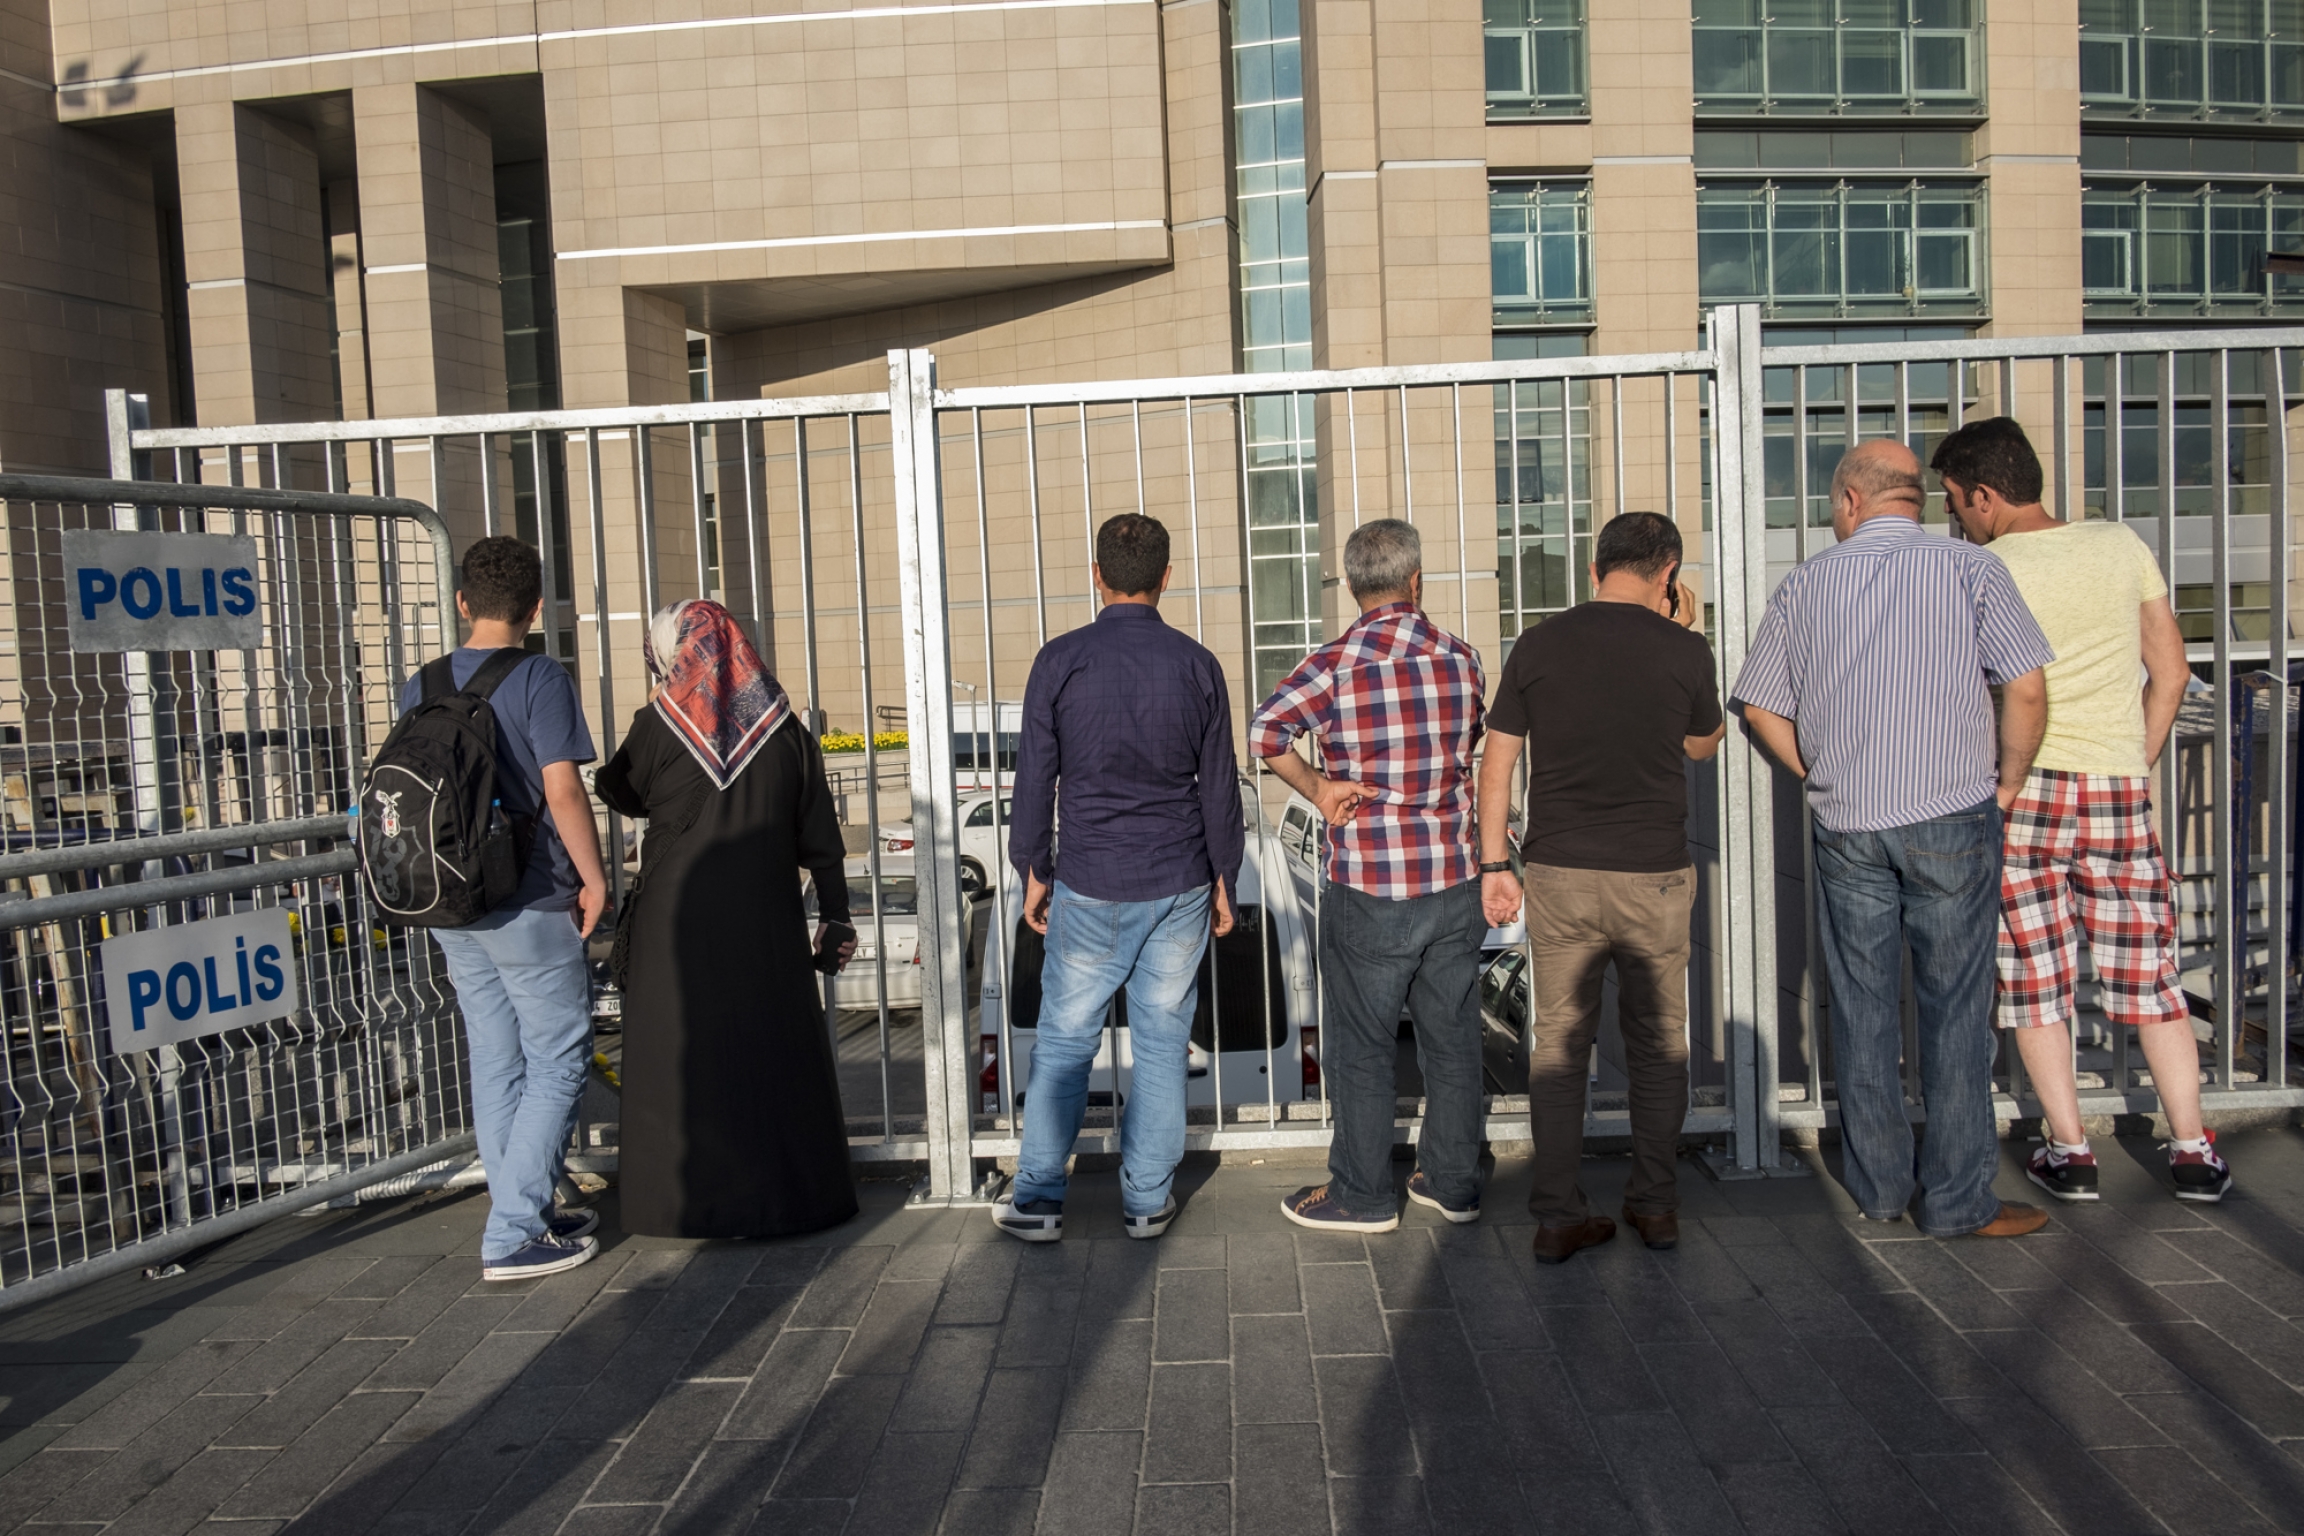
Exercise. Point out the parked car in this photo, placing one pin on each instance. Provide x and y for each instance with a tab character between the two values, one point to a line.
983	845
888	940
1255	1033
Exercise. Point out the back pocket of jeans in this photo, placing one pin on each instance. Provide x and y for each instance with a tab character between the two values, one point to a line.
1961	859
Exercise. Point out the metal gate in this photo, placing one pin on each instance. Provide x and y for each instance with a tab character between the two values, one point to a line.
144	790
944	534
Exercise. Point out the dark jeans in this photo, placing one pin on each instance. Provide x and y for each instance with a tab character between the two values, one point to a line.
1374	956
1935	886
1578	921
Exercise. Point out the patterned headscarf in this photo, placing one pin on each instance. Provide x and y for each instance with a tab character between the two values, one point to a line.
711	687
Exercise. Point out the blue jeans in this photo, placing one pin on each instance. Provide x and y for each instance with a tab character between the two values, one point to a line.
527	999
1934	885
1152	948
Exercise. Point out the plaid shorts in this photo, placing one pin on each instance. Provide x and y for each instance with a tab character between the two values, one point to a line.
2082	855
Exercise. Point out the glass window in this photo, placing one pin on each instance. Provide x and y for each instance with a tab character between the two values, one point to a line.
1837	56
1844	248
1543	487
1276	333
1535	58
2158	250
2216	60
1540	252
902	891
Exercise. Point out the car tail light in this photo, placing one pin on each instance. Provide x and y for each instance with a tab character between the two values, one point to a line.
896	844
1311	1034
988	1079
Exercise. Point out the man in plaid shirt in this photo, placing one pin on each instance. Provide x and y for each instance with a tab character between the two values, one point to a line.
1396	708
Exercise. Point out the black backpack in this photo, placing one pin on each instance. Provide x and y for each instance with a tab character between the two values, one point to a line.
437	847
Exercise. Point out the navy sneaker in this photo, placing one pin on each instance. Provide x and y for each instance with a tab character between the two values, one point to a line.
1035	1221
547	1255
1154	1224
571	1225
1420	1191
1314	1207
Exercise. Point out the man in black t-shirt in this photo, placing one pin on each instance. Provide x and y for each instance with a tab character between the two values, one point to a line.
1624	692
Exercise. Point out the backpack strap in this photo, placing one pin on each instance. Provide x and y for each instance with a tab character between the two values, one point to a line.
499	666
438	678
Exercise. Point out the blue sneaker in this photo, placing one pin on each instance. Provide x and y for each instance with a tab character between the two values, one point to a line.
571	1225
547	1255
1420	1191
1316	1208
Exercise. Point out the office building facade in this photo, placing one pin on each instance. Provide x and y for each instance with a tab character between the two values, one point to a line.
303	210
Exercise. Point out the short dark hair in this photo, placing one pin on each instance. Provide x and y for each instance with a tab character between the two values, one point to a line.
502	579
1993	452
1132	551
1644	543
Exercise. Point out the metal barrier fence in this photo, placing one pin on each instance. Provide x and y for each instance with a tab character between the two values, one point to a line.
946	534
144	790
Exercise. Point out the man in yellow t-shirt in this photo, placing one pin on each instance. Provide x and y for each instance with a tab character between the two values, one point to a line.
2081	853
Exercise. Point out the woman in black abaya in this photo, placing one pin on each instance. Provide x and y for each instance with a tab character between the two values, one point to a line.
732	1122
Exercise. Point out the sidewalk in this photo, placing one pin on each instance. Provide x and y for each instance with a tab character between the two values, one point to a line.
1787	1370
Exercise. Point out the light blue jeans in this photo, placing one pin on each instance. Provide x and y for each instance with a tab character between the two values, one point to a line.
1152	948
527	999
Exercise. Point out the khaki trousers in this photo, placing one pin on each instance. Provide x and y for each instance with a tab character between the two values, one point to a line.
1578	921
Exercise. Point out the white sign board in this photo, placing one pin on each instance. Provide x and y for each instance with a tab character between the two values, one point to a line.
166	985
160	591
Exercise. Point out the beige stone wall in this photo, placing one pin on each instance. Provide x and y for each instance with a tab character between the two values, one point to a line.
80	283
255	264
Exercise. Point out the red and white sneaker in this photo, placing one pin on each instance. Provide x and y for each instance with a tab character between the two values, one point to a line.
2200	1175
2066	1175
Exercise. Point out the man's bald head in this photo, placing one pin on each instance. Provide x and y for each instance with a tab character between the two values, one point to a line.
1882	477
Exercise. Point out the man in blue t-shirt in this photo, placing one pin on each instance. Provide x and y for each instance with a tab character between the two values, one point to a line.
519	972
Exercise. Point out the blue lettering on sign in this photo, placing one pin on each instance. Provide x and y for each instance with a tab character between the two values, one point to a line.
143	992
268	967
144	607
184	971
141	591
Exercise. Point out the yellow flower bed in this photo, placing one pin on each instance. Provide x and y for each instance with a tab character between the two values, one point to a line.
853	741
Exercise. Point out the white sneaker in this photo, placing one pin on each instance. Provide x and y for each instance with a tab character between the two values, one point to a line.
1035	1221
1153	1225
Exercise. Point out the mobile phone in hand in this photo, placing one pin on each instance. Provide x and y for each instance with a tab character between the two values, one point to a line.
828	947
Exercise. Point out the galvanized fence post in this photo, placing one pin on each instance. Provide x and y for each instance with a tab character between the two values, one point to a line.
945	1038
1747	801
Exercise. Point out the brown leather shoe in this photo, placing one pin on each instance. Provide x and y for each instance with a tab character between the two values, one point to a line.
1661	1230
1557	1245
2014	1220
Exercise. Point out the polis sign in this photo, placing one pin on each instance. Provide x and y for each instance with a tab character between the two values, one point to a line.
167	985
161	591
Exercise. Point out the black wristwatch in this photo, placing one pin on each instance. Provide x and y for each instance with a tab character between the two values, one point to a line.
1500	867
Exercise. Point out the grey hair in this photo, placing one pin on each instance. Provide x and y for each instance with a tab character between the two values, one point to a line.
1876	477
1381	556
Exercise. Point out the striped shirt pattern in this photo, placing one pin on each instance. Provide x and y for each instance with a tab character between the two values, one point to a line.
1881	648
1396	703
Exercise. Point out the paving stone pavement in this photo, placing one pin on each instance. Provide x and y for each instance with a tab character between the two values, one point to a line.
1788	1369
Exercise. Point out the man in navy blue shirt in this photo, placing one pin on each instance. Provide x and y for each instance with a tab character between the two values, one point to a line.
1131	722
519	971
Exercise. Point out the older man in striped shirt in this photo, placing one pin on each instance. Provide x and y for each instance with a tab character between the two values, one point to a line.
1869	678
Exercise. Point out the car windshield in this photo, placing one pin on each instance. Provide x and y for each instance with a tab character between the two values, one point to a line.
902	891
